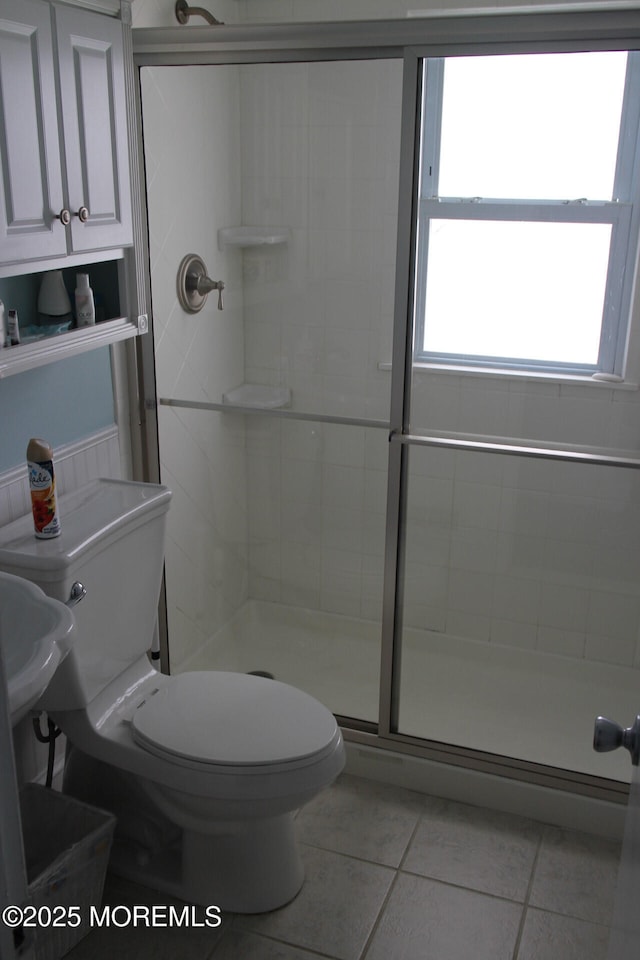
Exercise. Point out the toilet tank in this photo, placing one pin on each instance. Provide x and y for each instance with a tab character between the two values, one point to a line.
112	541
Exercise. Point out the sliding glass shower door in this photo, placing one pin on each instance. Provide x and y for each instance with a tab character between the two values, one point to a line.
437	540
518	616
274	411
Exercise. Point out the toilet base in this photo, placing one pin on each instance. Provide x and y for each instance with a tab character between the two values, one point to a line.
251	867
241	866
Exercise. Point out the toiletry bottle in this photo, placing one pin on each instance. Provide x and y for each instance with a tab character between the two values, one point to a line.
13	329
85	309
3	327
42	486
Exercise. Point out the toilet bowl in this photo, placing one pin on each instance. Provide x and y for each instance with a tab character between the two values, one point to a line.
204	770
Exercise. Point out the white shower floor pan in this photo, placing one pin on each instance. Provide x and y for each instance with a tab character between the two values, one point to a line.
507	701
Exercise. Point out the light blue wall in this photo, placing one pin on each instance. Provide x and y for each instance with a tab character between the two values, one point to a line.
64	401
61	402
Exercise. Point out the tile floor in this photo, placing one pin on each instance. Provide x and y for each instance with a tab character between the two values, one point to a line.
397	875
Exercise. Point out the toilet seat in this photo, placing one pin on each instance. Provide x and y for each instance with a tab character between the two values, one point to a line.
234	721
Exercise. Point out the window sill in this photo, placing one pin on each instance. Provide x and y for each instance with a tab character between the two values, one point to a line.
517	375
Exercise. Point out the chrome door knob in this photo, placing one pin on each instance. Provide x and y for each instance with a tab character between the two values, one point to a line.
609	735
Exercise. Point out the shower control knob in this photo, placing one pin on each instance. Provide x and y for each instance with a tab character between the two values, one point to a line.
194	285
609	735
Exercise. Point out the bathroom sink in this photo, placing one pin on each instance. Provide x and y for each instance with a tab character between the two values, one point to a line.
36	633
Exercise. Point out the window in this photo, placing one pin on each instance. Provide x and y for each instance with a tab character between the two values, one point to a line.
528	211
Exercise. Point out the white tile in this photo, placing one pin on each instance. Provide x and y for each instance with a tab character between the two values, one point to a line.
469	625
342	528
567	866
436	920
613	615
362	819
563	607
336	909
520	554
475	848
564	643
471	592
548	936
474	549
608	649
240	945
511	633
524	512
426	585
517	598
342	486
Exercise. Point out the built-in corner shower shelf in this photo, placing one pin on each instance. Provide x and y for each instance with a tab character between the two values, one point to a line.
252	236
258	395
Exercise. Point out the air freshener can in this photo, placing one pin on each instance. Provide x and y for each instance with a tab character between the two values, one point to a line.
42	485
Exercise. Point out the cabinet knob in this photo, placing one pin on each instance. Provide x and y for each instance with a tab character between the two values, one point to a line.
64	217
83	214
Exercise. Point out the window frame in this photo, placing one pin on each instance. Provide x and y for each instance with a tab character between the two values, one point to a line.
622	213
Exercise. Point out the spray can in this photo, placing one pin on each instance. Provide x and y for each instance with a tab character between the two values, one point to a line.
42	485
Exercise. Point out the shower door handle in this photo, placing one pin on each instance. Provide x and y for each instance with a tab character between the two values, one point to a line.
609	735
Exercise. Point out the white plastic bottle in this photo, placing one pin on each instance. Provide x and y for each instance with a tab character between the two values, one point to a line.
85	309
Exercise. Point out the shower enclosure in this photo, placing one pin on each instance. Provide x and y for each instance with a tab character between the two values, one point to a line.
448	558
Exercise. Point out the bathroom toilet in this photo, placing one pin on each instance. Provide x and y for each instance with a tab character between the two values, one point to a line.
204	770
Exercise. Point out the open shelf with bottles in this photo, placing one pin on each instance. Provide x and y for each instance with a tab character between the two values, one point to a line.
45	343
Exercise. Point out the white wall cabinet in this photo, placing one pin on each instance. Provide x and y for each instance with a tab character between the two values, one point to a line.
61	154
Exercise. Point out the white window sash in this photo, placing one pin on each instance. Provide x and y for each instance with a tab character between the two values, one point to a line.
622	213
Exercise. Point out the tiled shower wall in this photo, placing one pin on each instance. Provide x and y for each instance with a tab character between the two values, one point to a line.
516	552
508	551
192	151
320	149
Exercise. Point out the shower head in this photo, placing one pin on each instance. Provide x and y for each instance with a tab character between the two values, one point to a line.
184	11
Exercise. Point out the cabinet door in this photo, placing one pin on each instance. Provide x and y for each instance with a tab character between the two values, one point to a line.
92	91
31	187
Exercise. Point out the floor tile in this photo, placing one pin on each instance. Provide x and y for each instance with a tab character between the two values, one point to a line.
548	936
428	920
139	941
238	945
576	875
373	821
476	848
336	909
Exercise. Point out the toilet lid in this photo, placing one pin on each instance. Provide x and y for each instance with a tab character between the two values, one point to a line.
233	718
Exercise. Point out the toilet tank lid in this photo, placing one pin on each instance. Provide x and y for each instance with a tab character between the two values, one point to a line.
89	517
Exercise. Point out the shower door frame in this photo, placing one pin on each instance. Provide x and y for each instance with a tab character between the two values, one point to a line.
410	41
